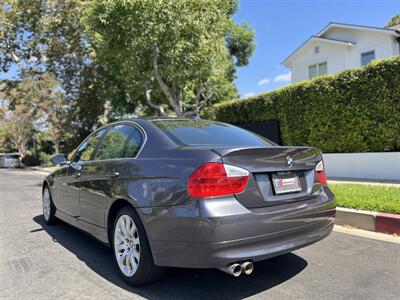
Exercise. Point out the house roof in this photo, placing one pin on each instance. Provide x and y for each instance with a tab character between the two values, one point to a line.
316	38
362	27
331	25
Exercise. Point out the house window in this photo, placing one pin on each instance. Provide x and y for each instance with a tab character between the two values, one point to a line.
367	57
317	70
322	69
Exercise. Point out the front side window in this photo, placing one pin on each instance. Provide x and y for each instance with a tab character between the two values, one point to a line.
367	57
113	143
201	133
85	150
317	70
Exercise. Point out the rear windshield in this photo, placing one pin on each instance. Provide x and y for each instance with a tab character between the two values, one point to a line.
192	132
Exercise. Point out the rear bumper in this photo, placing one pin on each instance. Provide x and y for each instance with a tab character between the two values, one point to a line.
216	232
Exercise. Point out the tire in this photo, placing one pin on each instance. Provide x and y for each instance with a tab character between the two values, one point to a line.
131	249
49	209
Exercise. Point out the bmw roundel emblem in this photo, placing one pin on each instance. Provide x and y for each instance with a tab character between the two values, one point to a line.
289	161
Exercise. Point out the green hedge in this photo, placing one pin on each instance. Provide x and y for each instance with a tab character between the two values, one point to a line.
353	111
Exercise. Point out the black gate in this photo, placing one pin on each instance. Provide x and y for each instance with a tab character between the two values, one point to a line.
267	129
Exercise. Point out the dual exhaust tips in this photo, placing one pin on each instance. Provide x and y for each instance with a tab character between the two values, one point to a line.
236	269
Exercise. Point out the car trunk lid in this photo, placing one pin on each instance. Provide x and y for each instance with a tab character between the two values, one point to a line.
267	164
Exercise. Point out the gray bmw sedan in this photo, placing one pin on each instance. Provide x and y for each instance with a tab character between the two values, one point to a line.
190	193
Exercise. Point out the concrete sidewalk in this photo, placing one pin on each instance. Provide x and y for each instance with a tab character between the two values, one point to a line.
45	170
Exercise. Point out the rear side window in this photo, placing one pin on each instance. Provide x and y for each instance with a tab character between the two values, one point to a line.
113	143
192	132
133	144
120	141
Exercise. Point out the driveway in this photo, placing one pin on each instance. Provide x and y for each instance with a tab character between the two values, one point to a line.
49	262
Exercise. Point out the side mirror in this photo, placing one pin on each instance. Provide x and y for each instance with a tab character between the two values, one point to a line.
59	159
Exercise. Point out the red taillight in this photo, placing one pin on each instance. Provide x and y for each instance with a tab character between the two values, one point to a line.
320	173
215	179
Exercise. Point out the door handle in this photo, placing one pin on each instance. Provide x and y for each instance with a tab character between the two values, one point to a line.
77	175
114	174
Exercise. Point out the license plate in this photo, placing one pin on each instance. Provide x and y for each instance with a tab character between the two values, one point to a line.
285	182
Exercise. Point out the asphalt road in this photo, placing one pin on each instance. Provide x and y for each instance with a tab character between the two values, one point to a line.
51	262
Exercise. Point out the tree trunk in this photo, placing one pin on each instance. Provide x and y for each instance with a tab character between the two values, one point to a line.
22	149
57	146
147	92
173	101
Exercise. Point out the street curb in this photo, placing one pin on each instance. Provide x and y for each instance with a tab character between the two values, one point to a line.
387	223
367	220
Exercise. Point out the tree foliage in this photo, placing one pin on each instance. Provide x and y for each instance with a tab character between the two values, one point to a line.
394	21
44	36
176	53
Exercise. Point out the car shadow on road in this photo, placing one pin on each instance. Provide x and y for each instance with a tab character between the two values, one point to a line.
177	283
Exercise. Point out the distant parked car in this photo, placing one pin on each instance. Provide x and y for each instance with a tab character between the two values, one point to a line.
10	160
190	193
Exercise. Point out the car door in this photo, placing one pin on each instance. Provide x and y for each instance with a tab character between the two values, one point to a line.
68	186
99	175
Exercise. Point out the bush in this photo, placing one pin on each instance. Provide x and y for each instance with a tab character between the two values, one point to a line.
353	111
30	160
45	159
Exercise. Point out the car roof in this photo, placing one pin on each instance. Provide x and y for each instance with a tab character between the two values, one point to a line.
143	121
166	118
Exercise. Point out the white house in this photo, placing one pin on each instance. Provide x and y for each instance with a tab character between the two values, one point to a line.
341	46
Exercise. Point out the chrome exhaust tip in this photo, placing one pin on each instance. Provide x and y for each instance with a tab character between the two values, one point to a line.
247	267
233	269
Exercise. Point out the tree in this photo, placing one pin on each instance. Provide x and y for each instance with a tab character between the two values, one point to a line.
19	128
31	102
48	37
44	36
394	21
177	55
57	123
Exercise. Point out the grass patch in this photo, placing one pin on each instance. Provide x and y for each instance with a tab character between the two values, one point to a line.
367	197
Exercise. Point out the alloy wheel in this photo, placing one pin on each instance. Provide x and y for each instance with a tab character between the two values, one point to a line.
46	204
127	245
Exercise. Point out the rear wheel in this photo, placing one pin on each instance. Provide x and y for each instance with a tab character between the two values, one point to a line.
131	249
49	209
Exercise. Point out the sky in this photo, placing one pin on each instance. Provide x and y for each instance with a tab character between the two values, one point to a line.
282	25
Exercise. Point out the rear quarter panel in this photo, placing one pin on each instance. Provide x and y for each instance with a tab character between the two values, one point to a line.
162	181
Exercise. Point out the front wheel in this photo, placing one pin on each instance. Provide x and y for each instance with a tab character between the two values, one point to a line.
49	209
131	249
